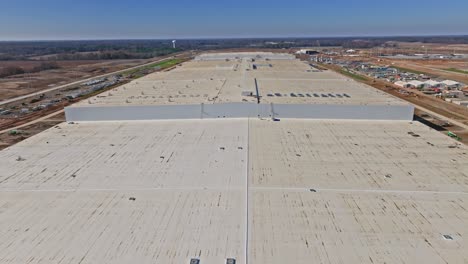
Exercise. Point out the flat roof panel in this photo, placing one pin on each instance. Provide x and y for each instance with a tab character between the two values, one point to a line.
378	155
159	226
329	91
358	227
121	155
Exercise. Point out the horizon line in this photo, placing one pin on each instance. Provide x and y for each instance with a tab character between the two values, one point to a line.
239	38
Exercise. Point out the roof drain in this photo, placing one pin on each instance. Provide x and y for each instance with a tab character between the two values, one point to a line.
231	261
194	261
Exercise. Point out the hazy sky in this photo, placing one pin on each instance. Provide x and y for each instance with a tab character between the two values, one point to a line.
123	19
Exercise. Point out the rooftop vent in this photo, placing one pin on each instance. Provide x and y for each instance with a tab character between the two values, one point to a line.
230	261
447	237
194	261
413	134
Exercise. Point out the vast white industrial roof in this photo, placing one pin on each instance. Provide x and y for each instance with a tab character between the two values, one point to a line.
219	81
69	200
245	55
212	189
252	189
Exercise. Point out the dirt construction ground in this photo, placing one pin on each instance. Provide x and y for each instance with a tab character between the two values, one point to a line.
69	71
8	139
417	47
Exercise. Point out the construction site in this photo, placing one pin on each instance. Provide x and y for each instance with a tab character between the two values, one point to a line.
236	158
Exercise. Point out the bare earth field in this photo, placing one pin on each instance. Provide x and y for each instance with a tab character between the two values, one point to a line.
28	65
433	47
7	139
69	71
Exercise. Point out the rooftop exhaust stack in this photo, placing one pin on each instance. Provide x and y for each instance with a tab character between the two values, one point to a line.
173	44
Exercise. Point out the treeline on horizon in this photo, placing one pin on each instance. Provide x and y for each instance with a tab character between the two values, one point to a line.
144	49
84	50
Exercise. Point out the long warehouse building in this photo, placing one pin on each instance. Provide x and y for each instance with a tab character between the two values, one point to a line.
236	158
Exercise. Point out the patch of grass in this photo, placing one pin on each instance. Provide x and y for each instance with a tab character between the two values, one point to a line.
163	64
353	75
409	70
457	70
160	65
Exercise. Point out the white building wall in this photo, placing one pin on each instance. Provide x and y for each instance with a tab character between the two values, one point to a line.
241	110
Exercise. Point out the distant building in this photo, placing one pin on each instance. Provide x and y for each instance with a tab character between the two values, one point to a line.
307	51
465	91
453	93
451	84
433	84
403	84
417	84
